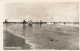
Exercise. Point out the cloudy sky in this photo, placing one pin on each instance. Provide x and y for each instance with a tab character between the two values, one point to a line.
45	11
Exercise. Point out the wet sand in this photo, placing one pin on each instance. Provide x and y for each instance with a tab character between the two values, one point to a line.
58	37
12	42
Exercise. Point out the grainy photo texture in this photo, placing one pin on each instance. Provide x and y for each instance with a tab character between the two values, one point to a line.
41	25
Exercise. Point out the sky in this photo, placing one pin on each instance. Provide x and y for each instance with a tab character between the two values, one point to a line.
45	11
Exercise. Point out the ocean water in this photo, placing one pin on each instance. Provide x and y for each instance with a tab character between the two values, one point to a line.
47	36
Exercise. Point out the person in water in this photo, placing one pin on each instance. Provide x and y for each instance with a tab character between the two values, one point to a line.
30	23
64	23
40	22
54	23
24	23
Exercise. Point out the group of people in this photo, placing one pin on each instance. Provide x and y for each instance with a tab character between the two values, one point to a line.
30	23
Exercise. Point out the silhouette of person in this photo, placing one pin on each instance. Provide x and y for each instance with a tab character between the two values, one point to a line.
40	22
64	23
30	23
24	23
6	21
54	23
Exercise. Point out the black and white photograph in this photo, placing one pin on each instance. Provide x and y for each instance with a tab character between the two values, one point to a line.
41	25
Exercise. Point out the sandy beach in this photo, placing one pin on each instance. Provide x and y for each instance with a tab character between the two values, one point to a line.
48	36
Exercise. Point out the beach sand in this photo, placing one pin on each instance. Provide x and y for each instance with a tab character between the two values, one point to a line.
56	37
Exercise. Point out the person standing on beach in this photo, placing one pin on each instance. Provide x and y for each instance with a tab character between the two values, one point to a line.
40	22
6	21
54	23
30	23
24	23
64	23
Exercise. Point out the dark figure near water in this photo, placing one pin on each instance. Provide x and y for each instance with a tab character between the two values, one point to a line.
6	21
54	23
24	23
40	23
64	23
30	23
